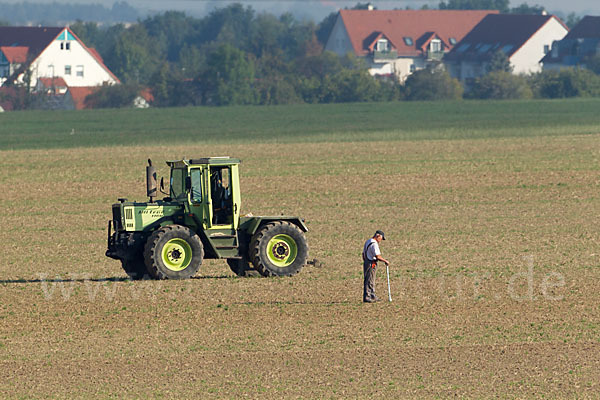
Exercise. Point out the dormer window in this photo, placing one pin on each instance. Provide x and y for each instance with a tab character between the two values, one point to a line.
408	41
383	45
435	46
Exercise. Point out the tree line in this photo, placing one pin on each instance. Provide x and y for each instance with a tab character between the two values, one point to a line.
235	55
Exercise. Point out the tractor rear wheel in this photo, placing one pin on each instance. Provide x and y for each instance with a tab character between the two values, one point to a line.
242	267
135	267
279	248
173	252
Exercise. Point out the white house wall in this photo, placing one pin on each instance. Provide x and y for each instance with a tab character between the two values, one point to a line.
53	60
339	40
403	67
527	59
381	69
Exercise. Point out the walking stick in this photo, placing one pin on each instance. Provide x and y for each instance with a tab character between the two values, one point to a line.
387	269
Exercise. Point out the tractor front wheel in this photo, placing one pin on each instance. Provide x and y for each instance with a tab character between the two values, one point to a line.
279	249
173	252
135	267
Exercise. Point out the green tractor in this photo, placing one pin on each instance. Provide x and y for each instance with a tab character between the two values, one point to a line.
200	218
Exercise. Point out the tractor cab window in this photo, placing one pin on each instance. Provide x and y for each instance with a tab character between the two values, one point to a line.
196	178
178	183
220	191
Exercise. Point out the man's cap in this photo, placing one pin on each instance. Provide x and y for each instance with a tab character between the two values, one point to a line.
378	232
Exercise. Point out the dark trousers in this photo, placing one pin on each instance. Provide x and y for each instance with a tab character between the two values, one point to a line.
369	269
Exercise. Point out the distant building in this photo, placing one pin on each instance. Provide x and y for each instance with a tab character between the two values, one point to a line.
50	53
581	42
525	39
399	42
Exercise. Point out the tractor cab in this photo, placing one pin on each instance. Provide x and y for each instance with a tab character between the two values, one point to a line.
209	189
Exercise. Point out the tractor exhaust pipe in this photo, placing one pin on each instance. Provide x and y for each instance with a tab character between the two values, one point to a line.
151	181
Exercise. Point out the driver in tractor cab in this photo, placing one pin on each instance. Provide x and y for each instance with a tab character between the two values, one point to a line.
220	199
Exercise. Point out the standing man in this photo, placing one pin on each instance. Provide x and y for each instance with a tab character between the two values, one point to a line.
371	254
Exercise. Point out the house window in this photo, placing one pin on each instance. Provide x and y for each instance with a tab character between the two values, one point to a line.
485	48
62	45
435	45
463	47
408	40
79	70
382	45
452	41
68	46
67	70
546	49
413	68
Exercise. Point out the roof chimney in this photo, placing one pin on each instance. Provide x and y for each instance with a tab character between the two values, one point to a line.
544	12
370	7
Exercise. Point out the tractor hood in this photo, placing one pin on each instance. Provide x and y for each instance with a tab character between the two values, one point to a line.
136	217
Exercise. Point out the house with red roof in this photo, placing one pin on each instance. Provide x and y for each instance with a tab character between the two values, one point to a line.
399	42
581	43
524	39
50	53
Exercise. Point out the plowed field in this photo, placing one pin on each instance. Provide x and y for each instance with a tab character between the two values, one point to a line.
494	273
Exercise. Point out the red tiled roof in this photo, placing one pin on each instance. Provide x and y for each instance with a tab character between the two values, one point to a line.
508	32
147	95
53	82
398	24
15	54
587	28
78	94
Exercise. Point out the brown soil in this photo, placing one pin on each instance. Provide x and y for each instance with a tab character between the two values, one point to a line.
495	259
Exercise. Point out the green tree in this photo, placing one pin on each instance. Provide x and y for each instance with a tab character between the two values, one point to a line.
115	96
319	66
171	32
228	25
499	62
88	32
350	85
569	82
501	5
228	78
500	85
133	58
432	84
191	61
593	63
572	20
527	9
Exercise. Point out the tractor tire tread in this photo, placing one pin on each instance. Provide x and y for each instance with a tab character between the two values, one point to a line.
150	251
257	241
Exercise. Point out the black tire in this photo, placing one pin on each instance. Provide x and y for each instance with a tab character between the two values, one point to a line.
242	267
265	240
135	268
173	252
